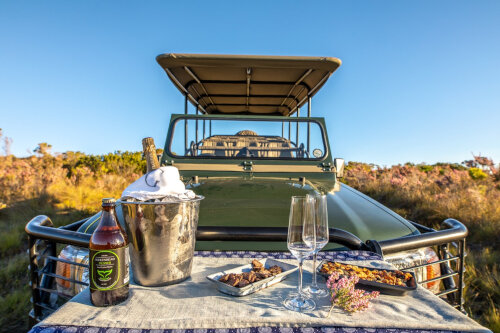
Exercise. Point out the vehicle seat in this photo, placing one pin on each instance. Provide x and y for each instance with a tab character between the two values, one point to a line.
249	144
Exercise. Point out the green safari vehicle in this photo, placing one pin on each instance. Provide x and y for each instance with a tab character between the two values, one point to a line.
249	144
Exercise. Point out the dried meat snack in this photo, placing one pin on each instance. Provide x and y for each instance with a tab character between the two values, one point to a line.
246	275
224	278
234	280
258	272
243	283
252	277
275	270
263	275
257	265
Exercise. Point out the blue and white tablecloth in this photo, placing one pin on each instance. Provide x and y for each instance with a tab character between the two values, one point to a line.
59	323
82	329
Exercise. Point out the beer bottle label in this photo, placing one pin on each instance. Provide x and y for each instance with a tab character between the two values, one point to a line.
109	268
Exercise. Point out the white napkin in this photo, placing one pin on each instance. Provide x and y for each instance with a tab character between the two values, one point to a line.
162	184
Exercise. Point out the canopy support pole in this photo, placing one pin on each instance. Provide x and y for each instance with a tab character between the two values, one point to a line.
290	131
311	92
174	79
309	125
297	132
282	129
190	72
185	125
196	134
295	85
210	128
203	129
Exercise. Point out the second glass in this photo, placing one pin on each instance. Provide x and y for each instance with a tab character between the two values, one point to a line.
321	239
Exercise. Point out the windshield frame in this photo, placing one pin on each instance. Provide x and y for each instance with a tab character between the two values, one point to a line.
180	117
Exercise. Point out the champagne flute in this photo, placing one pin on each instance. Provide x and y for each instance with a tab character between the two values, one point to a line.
301	242
322	237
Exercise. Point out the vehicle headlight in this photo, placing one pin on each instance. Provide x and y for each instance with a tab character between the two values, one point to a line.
408	260
72	271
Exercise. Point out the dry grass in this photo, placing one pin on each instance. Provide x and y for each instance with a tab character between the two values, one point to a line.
66	188
70	186
428	195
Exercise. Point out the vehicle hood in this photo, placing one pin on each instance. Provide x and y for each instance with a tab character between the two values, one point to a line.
265	202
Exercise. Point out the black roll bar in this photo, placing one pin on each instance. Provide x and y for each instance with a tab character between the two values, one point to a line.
42	227
271	234
454	231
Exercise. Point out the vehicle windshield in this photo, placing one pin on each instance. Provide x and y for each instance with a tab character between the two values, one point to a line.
245	138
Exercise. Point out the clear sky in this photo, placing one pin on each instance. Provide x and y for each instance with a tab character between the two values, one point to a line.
420	81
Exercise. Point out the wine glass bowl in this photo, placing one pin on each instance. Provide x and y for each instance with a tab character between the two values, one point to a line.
301	243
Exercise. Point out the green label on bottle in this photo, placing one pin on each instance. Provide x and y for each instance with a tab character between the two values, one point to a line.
109	268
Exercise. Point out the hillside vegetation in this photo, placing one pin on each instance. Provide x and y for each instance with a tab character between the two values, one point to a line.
428	194
69	187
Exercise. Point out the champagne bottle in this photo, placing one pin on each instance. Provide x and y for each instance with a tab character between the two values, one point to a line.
149	149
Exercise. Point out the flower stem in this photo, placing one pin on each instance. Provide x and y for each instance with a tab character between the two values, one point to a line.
330	312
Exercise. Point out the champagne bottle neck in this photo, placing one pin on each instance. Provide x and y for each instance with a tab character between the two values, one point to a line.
149	149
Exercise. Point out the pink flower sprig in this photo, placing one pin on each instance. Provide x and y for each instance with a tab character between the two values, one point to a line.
344	294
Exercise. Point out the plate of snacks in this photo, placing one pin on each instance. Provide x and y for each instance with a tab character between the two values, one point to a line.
387	281
247	279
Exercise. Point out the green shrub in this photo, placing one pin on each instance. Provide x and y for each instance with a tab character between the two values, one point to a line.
453	166
425	167
14	308
10	242
115	163
14	273
476	173
456	166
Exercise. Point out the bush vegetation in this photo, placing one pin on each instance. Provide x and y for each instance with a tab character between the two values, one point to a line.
68	187
428	194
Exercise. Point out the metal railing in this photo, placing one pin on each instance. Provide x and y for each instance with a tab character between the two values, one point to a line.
450	248
43	239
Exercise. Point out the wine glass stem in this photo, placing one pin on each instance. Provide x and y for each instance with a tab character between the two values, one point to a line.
315	282
300	278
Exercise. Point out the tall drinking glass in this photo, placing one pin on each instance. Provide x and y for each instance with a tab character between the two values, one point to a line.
301	242
322	237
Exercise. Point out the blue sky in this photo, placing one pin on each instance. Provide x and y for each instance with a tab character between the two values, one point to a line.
420	81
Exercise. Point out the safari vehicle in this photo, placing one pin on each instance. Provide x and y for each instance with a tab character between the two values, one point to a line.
248	148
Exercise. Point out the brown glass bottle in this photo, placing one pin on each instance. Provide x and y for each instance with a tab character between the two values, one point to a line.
109	259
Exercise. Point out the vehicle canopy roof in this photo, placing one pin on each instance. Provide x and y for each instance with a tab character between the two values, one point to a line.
247	84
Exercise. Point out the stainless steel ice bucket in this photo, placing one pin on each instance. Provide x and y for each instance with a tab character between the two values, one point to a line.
162	239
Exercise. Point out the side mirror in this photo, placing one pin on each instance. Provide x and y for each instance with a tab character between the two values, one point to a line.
339	165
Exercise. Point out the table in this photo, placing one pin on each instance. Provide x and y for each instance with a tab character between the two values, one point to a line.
195	306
